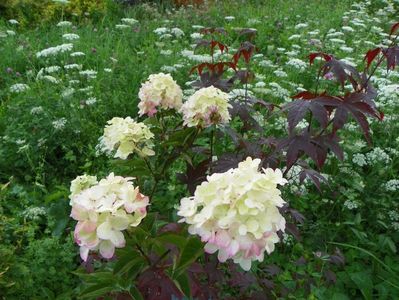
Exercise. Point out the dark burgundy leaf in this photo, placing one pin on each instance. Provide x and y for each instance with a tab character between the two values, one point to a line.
296	215
273	270
255	101
248	33
301	261
371	55
313	175
330	276
312	56
154	284
331	142
293	229
268	283
226	162
194	175
298	109
392	56
358	104
171	227
394	28
297	145
246	50
337	258
341	71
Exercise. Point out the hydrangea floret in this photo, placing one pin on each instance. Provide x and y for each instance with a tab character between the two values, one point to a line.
207	106
103	210
160	91
124	136
237	212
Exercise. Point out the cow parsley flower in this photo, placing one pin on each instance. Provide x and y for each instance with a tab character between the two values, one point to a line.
177	32
159	91
59	124
129	21
392	185
19	88
103	210
205	107
297	64
77	54
64	24
236	213
70	36
53	51
126	137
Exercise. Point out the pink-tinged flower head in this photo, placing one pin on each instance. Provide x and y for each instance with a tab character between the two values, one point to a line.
236	213
160	91
207	106
103	210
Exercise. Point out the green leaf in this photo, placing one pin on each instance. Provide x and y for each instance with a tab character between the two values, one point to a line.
368	253
135	293
95	291
180	137
135	166
190	253
183	283
126	262
363	282
339	296
171	238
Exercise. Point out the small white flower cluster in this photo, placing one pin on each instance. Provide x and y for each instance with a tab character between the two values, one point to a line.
378	155
297	64
59	124
351	204
70	36
19	88
205	107
359	159
53	51
236	213
392	185
103	210
34	213
159	91
164	32
126	137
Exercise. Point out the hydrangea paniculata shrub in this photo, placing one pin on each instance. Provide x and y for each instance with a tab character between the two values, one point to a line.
206	107
237	212
126	137
103	210
160	91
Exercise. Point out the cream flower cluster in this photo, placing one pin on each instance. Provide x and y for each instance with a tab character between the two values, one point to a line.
103	210
205	107
236	212
159	91
126	136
